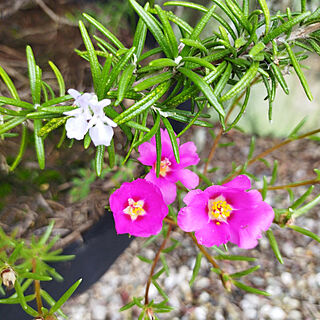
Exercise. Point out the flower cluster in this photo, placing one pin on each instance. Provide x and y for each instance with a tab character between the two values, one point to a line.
89	116
217	215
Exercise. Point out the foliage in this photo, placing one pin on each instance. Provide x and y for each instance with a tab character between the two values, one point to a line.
217	72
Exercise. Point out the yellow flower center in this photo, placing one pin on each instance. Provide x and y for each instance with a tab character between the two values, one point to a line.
219	210
165	167
134	209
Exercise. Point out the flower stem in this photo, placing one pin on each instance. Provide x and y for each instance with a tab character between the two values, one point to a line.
270	150
211	260
146	298
293	185
37	288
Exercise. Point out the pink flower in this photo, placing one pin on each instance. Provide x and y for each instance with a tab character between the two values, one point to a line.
170	170
226	213
138	208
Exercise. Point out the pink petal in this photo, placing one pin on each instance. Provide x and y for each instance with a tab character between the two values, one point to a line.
148	154
213	235
239	182
168	189
188	154
192	218
191	196
188	178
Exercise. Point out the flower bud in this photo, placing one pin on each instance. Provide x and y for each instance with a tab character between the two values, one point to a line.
8	277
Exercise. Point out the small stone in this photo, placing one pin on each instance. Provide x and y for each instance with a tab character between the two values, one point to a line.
200	313
276	313
291	303
204	297
250	313
286	278
202	283
99	312
295	315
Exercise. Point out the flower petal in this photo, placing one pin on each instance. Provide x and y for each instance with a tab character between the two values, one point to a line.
188	178
167	188
239	182
74	93
213	235
76	127
188	154
148	153
101	134
192	219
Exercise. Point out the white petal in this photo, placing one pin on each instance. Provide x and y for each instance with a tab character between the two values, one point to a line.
74	112
84	100
74	93
101	134
103	103
109	122
76	127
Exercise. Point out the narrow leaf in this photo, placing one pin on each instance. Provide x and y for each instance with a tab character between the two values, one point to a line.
274	245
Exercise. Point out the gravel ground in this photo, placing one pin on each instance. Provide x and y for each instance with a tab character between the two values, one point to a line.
294	286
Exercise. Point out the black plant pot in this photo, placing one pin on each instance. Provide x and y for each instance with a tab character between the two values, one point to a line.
100	248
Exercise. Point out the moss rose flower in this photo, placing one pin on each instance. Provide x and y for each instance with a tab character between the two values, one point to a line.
138	208
170	171
226	213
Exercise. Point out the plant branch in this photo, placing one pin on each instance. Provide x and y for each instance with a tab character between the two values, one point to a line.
155	261
37	288
211	260
293	185
270	150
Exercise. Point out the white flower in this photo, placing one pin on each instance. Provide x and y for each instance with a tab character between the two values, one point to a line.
89	116
100	126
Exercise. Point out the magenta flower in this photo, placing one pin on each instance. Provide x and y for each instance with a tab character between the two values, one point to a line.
138	208
170	170
226	213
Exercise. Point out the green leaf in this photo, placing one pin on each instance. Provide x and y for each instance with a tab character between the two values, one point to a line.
279	76
257	48
150	21
218	88
160	290
204	88
306	207
140	34
299	72
104	31
62	87
186	4
301	199
34	76
112	155
64	297
265	10
244	272
163	62
99	159
237	12
117	69
202	23
152	81
15	102
305	232
39	145
151	133
195	44
51	125
243	83
234	258
274	245
196	268
124	82
8	82
244	287
20	294
146	102
22	148
171	38
94	64
200	62
173	139
34	276
284	27
45	295
158	150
